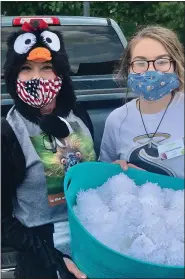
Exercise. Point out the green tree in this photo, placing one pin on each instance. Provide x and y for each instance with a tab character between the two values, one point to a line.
132	15
13	8
129	15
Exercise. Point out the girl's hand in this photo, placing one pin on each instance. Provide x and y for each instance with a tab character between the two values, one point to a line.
124	165
74	269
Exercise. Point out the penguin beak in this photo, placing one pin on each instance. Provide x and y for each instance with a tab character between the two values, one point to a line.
39	54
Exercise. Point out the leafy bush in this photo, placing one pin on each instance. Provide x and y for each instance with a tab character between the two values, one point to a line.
129	15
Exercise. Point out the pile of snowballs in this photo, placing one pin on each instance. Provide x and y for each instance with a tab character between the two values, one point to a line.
144	222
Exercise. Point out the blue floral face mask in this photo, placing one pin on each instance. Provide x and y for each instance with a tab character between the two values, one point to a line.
153	85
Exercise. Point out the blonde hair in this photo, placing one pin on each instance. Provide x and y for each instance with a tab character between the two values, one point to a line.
167	38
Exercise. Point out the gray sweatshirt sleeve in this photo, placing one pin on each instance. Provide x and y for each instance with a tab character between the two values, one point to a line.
108	145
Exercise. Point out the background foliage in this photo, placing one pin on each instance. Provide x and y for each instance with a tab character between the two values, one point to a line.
129	15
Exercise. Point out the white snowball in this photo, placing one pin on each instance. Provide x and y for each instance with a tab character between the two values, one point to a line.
141	247
177	201
144	222
175	253
168	194
158	255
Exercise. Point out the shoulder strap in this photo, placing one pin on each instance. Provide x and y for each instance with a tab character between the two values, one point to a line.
81	112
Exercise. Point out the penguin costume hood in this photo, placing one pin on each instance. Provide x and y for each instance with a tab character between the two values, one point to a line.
36	42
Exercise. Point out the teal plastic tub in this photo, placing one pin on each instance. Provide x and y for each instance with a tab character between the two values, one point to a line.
92	257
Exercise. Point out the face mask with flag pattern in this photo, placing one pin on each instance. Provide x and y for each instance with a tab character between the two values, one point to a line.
38	92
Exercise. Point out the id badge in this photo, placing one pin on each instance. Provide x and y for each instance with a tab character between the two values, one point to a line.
171	149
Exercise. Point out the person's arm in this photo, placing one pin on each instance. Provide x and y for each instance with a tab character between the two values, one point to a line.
108	145
14	233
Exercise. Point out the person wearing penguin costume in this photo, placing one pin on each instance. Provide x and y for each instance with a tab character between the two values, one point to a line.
45	133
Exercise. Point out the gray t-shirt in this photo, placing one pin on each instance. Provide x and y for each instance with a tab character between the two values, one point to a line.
125	137
40	197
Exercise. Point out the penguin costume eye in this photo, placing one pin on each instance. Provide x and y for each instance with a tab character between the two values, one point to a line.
24	43
51	39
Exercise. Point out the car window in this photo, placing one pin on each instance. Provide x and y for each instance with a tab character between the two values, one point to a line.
92	50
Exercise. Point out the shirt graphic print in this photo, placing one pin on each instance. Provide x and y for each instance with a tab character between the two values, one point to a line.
58	155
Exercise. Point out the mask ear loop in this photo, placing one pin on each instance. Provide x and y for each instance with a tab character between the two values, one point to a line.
70	132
